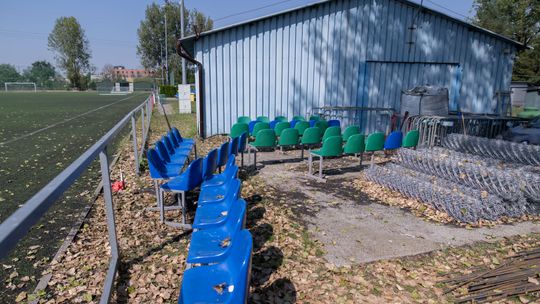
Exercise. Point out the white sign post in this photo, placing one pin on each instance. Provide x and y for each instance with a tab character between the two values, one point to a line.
184	98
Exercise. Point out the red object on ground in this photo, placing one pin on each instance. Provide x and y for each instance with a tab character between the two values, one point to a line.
118	186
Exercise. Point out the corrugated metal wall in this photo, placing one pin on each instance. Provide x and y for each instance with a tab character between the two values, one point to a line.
345	53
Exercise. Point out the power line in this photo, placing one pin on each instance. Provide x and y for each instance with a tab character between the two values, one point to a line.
34	35
445	8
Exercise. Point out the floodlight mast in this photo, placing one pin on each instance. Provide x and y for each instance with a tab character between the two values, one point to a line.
184	76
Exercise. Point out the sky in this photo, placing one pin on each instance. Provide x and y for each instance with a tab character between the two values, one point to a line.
111	26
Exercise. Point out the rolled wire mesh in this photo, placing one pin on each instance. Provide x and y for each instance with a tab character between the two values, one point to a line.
509	182
463	203
500	149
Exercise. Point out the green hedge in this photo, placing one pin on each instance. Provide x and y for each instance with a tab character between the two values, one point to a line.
168	90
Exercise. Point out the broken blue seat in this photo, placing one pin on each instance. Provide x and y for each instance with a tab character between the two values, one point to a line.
230	172
211	245
209	165
225	282
219	194
190	179
215	215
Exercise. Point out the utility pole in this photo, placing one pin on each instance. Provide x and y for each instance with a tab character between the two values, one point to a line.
166	50
184	78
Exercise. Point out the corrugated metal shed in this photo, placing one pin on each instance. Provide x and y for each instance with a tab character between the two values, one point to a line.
347	53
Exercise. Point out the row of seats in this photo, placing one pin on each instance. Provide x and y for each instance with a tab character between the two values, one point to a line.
358	144
220	251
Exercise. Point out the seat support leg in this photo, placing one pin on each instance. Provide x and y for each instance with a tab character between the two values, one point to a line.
320	167
310	159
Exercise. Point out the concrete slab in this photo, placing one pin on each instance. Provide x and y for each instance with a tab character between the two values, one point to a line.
355	229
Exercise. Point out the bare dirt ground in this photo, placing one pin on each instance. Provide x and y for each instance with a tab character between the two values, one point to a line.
353	225
312	240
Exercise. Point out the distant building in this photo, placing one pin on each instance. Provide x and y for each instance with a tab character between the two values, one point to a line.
120	72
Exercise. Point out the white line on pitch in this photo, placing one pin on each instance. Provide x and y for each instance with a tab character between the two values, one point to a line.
62	122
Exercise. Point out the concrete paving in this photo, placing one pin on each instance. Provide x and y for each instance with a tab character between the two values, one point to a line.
355	229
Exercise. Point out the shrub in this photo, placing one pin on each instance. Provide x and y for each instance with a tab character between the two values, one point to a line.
168	90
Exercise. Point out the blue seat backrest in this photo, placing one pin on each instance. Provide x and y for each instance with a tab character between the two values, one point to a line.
194	172
168	144
155	164
210	164
252	125
293	123
173	139
177	135
223	155
233	147
242	142
273	124
162	151
312	123
393	141
334	123
239	264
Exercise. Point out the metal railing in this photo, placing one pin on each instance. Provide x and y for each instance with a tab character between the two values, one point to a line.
434	128
14	228
369	119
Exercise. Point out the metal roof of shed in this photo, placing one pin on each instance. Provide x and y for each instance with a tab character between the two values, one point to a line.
189	42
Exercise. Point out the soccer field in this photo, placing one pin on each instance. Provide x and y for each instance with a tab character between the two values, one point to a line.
42	133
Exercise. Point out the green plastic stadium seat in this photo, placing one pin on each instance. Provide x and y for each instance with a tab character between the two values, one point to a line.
263	119
289	137
280	126
411	139
331	147
331	131
281	119
322	125
355	145
374	142
258	127
266	138
238	129
311	137
299	118
350	130
301	126
243	119
314	117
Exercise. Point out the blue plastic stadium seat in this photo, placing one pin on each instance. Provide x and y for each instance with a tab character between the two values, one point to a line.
180	139
187	181
215	215
231	171
312	123
233	147
172	149
273	124
159	169
223	155
334	123
211	245
242	143
293	123
252	125
393	141
210	165
225	282
177	158
218	194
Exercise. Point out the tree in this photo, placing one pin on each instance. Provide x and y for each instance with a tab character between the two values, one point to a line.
519	20
71	48
42	73
151	32
108	73
8	73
